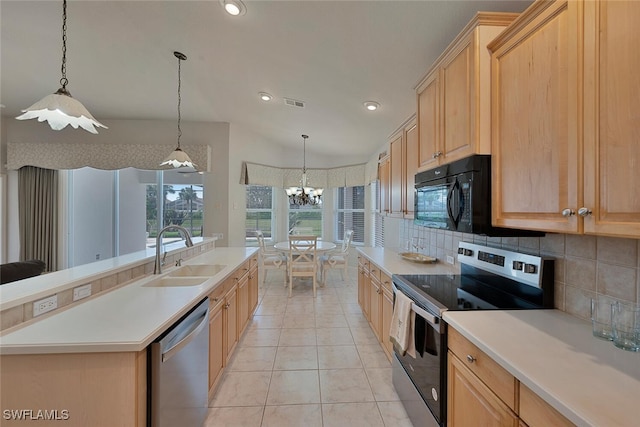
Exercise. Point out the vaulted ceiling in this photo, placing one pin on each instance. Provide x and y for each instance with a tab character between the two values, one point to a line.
332	55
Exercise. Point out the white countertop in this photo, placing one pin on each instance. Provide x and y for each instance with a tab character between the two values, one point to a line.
390	263
586	379
126	319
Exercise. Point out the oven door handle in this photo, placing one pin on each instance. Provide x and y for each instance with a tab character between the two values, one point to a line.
428	317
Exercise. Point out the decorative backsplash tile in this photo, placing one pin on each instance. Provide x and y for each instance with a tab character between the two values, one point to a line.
585	265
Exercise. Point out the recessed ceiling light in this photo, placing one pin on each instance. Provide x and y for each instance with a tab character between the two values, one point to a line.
234	7
265	96
371	105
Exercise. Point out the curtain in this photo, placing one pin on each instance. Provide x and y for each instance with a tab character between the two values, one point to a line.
51	155
345	176
38	215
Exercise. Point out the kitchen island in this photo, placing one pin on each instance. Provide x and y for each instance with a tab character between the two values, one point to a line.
88	362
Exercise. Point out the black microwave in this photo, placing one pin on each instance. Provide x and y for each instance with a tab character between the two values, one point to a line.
457	197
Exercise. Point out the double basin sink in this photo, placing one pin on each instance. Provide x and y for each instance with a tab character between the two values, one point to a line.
187	275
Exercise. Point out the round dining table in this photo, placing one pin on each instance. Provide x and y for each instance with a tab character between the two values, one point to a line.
321	246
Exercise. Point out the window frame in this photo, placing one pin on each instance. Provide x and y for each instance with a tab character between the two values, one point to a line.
339	237
252	241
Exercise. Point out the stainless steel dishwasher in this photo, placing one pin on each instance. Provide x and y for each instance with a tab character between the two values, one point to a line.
179	378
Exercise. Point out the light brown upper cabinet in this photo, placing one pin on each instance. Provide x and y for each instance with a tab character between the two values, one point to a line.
454	112
403	167
566	119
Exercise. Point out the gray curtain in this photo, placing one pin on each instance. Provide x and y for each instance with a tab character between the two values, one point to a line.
38	215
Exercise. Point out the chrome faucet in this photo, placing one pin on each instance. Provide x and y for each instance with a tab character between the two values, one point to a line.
157	268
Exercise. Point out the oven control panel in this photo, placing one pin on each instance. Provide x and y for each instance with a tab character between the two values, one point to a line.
515	265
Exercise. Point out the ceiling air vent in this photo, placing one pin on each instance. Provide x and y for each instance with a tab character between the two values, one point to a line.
294	103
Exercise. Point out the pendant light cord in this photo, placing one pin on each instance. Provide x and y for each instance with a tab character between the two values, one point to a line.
179	99
63	80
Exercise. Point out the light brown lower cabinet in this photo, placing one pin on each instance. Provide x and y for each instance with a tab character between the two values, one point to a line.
84	389
231	305
471	403
482	393
535	412
376	300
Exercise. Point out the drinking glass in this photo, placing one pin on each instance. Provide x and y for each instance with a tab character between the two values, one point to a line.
601	314
626	326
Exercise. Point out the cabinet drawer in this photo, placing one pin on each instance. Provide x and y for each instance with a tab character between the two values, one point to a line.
501	382
374	272
216	296
253	262
385	280
538	413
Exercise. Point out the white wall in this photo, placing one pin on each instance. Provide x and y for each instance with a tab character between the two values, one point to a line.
92	212
132	212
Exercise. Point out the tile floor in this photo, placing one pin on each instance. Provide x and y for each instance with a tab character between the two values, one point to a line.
307	362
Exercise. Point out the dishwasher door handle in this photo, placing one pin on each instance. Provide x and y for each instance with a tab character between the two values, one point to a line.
196	329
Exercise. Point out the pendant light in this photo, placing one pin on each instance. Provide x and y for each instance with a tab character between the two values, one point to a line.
61	109
304	195
178	158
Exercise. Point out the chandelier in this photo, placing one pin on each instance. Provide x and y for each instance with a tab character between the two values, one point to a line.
304	195
178	158
61	109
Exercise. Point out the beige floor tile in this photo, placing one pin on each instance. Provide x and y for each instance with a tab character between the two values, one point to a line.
294	358
273	300
293	416
338	357
352	308
292	320
334	336
297	337
297	308
242	389
294	387
381	384
373	356
260	338
270	309
364	336
357	320
352	415
344	385
253	359
279	290
331	321
266	322
324	309
245	416
393	414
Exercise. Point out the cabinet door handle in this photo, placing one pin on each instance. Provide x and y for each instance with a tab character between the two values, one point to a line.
215	300
568	212
227	305
583	212
470	358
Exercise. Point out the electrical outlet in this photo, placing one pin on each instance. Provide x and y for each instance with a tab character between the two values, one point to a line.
450	260
81	292
44	305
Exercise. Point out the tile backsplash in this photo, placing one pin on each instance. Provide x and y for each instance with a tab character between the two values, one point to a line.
585	266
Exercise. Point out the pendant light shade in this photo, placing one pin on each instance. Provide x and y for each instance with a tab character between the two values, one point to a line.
178	158
60	109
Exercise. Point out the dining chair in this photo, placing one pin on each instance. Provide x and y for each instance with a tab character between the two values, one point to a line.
302	260
270	259
338	258
302	230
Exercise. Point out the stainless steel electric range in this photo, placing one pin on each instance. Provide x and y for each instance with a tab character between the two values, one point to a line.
489	279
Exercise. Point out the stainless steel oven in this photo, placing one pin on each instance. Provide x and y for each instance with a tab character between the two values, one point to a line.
489	279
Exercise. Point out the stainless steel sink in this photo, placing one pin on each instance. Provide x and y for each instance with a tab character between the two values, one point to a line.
166	281
198	270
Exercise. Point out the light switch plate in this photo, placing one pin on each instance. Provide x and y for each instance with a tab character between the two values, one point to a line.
450	260
81	292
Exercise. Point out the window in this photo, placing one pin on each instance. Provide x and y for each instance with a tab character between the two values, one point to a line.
350	213
377	219
307	218
259	212
113	213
